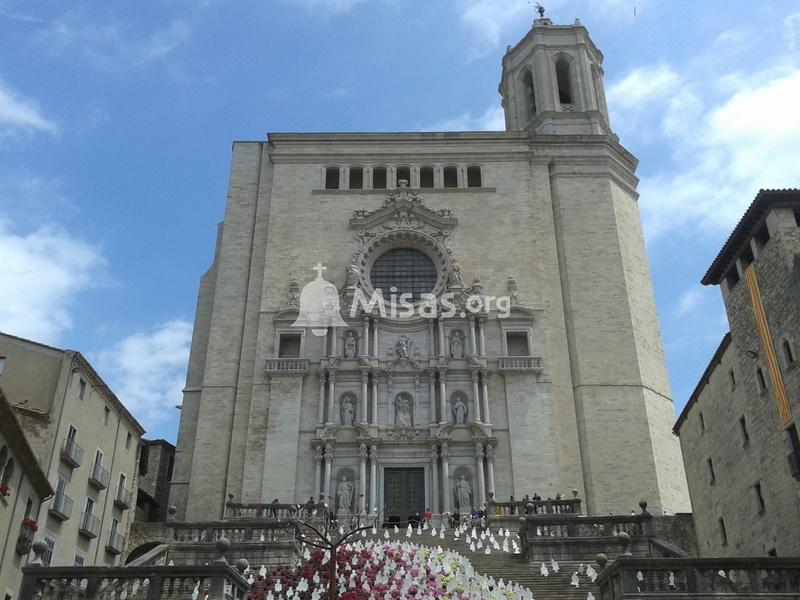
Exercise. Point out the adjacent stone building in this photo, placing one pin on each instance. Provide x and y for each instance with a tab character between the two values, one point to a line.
556	384
23	489
84	440
156	461
739	431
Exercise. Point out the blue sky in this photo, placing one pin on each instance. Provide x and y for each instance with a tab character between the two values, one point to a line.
116	122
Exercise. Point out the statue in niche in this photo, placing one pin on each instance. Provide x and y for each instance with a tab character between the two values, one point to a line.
455	279
403	346
350	345
463	494
459	411
348	412
456	345
344	494
402	408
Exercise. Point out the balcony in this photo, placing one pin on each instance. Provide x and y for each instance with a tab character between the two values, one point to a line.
99	477
115	544
286	366
61	508
25	537
123	498
72	454
90	525
520	364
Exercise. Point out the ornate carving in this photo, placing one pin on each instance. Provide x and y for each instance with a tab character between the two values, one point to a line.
457	344
293	296
362	452
348	411
513	291
350	345
459	409
445	451
403	411
402	433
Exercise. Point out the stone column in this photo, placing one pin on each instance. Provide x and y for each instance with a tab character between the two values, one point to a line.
431	337
482	348
317	471
374	399
373	479
328	469
475	406
434	479
432	391
325	343
443	396
362	478
365	338
331	393
479	476
490	469
335	342
442	351
446	491
364	398
473	341
375	338
415	411
485	388
321	397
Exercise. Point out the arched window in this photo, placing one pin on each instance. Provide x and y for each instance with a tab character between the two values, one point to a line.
450	177
474	176
8	471
563	81
426	177
356	178
403	174
332	178
530	96
379	178
787	352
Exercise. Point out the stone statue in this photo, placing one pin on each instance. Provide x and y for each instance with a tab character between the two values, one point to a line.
403	412
455	276
344	493
463	494
456	345
350	346
351	276
402	347
348	412
460	411
540	10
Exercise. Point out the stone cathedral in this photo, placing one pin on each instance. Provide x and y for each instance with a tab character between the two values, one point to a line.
527	358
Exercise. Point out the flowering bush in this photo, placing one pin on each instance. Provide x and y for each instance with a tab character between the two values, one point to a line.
5	490
30	523
385	570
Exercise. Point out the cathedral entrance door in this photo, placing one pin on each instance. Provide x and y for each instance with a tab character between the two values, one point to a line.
404	495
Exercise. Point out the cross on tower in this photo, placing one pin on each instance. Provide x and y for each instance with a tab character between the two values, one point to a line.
319	269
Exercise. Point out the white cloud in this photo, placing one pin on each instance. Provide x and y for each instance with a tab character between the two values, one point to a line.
492	119
643	85
326	6
41	275
147	370
488	21
110	44
19	114
695	298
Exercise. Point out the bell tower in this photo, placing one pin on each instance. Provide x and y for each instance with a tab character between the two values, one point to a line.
552	82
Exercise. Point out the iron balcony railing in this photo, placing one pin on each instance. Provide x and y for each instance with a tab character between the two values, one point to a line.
123	498
116	543
99	476
61	508
72	453
90	525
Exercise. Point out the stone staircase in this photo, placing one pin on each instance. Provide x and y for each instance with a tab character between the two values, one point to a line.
511	567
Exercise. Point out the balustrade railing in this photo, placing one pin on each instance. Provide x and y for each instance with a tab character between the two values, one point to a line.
123	497
520	363
533	507
72	453
579	526
629	578
296	366
275	511
99	476
61	508
214	581
238	532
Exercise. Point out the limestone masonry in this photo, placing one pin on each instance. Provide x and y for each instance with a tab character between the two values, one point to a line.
558	386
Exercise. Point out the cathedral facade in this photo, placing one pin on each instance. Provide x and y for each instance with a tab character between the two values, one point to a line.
516	349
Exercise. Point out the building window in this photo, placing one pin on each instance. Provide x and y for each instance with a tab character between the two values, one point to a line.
732	377
723	533
772	552
332	178
760	381
144	455
426	177
47	556
356	178
403	174
106	415
762	236
170	465
379	178
474	176
450	177
530	95
6	471
788	355
745	433
702	424
407	270
712	478
3	361
79	560
81	389
128	438
760	506
794	455
289	345
517	343
563	81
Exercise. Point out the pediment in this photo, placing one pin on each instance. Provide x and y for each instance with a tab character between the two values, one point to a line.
403	209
